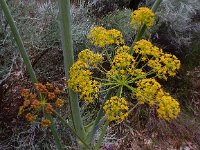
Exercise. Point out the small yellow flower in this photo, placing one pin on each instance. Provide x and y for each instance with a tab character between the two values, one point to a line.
123	49
114	37
123	60
98	36
81	81
165	65
122	66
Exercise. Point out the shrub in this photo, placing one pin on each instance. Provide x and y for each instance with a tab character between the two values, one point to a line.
177	24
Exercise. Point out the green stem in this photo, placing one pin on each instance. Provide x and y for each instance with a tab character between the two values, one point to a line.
138	36
119	92
55	133
108	84
109	89
138	61
102	71
155	5
97	146
134	79
103	68
108	57
101	79
130	87
65	26
143	28
71	129
18	40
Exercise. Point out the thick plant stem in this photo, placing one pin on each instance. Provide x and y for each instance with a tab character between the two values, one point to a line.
142	30
139	35
18	40
65	26
155	5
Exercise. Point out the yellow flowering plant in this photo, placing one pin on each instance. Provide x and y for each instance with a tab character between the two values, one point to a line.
134	69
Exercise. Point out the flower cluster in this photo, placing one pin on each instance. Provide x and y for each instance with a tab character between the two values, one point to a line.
147	50
143	15
101	37
165	65
47	100
149	91
116	109
123	49
122	65
89	57
168	108
81	81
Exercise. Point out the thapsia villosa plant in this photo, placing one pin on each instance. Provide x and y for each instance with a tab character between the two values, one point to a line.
134	68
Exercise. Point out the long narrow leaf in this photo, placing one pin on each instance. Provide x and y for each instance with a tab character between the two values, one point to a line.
18	40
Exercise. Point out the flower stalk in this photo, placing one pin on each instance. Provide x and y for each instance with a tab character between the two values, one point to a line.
66	35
